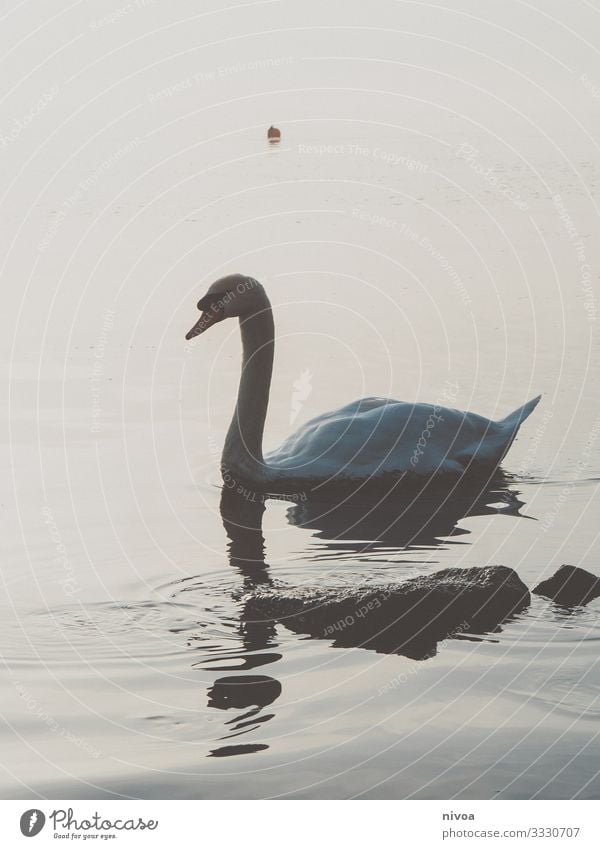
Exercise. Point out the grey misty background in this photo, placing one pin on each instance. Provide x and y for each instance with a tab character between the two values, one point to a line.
171	104
134	171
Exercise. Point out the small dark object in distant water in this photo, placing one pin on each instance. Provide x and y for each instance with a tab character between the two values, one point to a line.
408	618
570	586
273	134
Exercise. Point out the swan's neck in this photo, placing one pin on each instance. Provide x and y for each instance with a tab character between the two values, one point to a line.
242	454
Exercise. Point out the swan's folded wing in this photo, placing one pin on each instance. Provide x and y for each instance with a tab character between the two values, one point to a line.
377	436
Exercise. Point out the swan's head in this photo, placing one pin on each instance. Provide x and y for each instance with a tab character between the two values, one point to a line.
229	297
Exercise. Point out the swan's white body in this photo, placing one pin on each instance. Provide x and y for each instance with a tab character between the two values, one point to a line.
364	440
375	436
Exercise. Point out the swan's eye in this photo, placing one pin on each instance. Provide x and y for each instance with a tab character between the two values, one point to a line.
207	302
214	300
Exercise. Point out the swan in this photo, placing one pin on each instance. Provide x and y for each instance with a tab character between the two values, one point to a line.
363	441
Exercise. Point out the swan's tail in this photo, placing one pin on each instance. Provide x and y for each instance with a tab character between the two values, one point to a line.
515	419
510	424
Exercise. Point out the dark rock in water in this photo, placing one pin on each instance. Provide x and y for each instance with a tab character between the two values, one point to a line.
570	586
408	618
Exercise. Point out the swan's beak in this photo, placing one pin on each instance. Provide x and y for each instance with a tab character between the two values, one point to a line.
210	316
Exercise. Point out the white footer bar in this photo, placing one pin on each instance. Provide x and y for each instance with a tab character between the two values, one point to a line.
301	824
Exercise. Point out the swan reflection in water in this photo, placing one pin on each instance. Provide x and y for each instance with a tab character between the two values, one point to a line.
425	519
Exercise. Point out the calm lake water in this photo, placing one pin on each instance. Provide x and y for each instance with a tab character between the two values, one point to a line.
432	247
